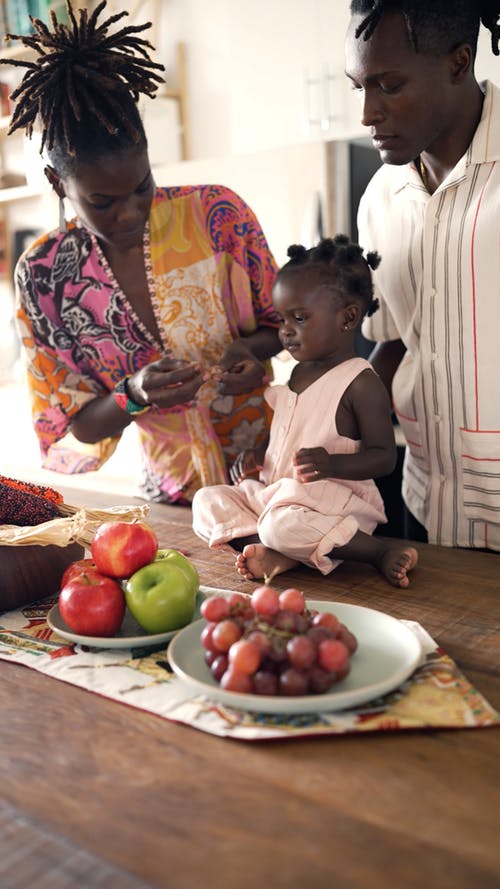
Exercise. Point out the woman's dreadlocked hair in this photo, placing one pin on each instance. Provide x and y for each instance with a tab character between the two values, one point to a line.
339	265
434	26
84	86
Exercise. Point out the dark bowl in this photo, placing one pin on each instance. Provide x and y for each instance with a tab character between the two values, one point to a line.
28	573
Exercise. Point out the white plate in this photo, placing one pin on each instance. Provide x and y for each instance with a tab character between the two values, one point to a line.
130	634
388	652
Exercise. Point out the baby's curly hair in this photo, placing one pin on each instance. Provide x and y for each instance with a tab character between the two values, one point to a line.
340	266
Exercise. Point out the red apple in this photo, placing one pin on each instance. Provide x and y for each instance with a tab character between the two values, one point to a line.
77	568
92	604
121	548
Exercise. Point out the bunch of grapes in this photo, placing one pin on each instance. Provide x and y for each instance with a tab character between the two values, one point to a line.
270	643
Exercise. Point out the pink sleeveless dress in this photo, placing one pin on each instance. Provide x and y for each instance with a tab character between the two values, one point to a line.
304	521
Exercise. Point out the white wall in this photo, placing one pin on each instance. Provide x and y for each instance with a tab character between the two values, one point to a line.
247	65
282	186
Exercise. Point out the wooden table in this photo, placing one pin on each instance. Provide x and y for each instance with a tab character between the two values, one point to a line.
153	803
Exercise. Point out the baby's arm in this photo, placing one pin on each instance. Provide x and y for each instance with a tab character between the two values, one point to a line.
367	401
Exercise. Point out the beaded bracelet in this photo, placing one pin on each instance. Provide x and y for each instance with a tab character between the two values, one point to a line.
123	400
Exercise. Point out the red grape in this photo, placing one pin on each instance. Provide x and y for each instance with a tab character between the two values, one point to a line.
245	656
326	619
265	683
321	680
301	652
285	620
232	680
210	656
219	666
348	638
293	682
318	634
332	655
206	636
214	608
293	600
259	638
265	600
225	633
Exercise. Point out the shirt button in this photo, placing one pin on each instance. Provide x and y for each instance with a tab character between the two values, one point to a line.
441	478
434	356
437	418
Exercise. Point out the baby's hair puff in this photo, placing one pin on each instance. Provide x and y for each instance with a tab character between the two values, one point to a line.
340	265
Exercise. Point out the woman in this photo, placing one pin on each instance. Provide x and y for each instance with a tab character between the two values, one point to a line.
125	311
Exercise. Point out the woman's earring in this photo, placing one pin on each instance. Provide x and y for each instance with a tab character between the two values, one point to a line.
63	228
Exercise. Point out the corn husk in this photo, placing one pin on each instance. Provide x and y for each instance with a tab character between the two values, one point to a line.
76	525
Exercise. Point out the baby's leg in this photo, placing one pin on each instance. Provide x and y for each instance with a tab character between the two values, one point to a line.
223	512
394	561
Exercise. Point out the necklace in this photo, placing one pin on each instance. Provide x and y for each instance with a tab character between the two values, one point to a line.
423	173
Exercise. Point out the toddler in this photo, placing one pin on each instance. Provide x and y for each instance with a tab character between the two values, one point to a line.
314	501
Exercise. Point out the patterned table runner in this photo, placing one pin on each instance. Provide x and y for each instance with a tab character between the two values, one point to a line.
436	696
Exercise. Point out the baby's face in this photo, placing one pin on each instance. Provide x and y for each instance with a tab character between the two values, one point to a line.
311	319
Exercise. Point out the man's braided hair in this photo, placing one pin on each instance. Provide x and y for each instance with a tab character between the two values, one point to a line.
434	26
340	265
84	86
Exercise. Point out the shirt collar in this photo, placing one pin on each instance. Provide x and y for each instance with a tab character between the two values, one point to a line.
484	148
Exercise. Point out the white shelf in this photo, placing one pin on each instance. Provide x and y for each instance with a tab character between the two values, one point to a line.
19	193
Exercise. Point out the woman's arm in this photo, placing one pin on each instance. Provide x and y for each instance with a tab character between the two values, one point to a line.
165	383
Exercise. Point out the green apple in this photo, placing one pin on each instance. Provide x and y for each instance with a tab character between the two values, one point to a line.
160	597
176	558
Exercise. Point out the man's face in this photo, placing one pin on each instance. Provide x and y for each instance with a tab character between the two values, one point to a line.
406	98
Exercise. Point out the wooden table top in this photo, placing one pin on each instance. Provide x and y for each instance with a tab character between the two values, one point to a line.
173	807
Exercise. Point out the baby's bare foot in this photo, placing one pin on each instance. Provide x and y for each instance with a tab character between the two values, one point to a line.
257	562
395	563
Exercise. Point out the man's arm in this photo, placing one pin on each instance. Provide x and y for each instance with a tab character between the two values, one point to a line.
385	360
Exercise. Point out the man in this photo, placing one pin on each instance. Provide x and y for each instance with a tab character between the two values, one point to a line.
432	211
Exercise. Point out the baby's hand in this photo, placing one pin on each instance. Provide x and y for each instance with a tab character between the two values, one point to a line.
311	464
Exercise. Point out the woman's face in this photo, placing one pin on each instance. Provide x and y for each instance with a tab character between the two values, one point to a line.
407	97
112	196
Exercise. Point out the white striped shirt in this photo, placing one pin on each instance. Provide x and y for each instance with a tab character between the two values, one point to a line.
439	288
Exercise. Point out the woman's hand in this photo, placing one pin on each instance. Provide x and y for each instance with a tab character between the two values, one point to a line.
247	465
311	464
165	383
241	370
